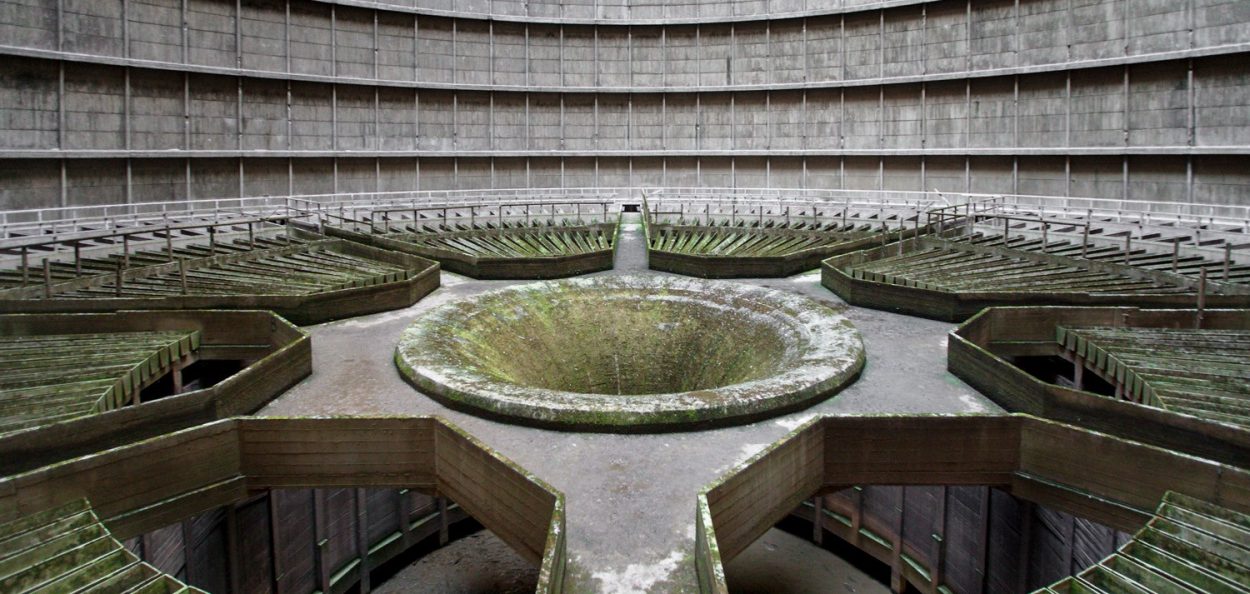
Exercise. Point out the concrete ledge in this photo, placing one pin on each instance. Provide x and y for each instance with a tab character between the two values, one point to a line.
278	356
975	355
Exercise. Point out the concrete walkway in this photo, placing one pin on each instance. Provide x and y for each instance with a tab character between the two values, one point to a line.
630	498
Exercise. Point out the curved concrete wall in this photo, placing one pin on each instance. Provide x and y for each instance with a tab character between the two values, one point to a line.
144	100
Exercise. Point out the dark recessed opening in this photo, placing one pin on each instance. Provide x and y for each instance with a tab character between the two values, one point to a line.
196	376
631	208
1059	371
858	558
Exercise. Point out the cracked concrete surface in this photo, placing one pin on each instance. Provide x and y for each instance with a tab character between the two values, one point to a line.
630	498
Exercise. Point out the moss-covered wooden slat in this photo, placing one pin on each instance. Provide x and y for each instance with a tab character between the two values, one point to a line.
1202	372
309	267
526	242
106	265
747	249
68	549
1189	546
727	242
48	378
967	267
487	250
1188	265
306	268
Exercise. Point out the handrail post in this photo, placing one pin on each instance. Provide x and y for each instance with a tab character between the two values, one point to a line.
1228	256
1085	239
47	279
1202	298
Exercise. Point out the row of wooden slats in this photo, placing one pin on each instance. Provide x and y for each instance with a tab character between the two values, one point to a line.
520	243
958	271
1189	546
50	378
1203	372
719	241
67	549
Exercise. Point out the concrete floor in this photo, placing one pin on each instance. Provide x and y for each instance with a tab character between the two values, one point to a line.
479	563
630	498
782	563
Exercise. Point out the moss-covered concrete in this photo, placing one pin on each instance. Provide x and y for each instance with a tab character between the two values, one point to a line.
630	353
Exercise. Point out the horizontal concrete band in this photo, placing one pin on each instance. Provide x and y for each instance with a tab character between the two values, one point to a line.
626	12
47	183
56	110
577	85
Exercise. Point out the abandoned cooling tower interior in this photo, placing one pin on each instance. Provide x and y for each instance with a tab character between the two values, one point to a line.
625	296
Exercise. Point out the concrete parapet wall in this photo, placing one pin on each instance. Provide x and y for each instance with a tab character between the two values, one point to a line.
149	485
1032	459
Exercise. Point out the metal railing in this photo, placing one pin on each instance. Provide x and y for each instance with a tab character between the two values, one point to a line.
1209	221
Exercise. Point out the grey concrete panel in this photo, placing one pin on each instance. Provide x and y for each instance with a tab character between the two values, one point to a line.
30	184
262	31
861	173
1043	111
264	115
355	126
357	175
1097	177
29	23
396	175
310	39
313	176
1221	115
92	27
473	58
397	119
1218	22
156	31
1158	105
1098	108
1046	176
992	29
266	177
94	107
990	175
901	174
353	42
212	33
903	47
214	178
397	47
946	115
96	182
28	92
312	120
1221	180
1156	178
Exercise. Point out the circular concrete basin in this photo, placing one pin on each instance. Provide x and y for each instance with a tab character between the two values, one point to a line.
631	353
